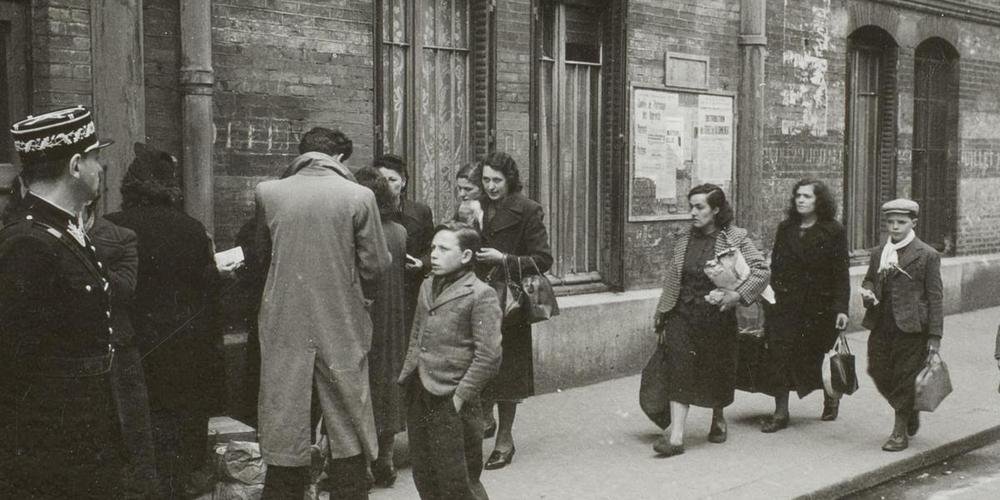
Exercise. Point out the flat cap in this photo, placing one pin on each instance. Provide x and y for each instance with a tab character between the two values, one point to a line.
901	206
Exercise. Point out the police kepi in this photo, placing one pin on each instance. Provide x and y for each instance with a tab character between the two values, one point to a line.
57	416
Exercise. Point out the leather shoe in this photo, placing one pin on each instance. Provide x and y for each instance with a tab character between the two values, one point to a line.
774	424
719	431
499	459
664	449
830	412
383	474
913	424
896	442
490	431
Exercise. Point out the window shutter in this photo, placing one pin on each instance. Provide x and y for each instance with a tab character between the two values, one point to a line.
482	65
613	148
888	100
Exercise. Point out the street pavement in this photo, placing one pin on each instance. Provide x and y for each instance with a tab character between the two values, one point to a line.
973	476
595	443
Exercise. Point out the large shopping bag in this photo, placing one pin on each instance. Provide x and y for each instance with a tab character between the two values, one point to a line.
653	389
933	384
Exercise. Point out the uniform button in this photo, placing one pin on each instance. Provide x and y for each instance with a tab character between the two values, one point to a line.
29	218
108	313
92	249
423	349
88	288
100	266
431	313
111	330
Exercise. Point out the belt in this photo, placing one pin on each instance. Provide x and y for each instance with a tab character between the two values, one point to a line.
60	367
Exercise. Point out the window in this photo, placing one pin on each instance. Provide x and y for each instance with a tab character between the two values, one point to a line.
567	136
431	55
871	133
935	141
14	82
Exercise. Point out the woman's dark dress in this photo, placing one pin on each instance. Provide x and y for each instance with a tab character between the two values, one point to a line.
810	273
515	227
389	336
699	340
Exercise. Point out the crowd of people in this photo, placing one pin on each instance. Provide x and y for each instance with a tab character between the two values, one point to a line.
367	320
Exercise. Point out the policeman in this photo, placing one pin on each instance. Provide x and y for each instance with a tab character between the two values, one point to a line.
58	428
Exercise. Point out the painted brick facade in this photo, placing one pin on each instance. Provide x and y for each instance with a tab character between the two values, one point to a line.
283	66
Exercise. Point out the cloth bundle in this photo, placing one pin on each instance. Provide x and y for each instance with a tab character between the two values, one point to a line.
728	270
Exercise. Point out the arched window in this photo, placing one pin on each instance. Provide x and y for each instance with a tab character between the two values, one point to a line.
935	141
871	133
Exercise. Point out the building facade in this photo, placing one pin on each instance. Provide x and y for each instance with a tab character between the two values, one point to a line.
612	108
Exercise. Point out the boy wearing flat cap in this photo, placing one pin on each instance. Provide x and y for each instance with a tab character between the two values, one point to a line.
902	293
58	422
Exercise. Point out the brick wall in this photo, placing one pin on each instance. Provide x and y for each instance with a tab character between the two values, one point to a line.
708	28
282	68
60	52
162	62
806	77
513	85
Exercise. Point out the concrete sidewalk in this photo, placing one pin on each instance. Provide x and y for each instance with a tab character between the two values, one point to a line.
595	443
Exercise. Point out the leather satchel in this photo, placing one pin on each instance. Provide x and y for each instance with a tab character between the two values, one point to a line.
538	300
839	374
933	384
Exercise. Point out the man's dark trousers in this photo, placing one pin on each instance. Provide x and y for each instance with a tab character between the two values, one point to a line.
446	447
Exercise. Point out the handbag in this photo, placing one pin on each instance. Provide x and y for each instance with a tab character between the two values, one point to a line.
538	300
933	384
653	387
839	374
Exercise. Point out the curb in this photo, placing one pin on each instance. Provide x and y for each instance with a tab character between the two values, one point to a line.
882	474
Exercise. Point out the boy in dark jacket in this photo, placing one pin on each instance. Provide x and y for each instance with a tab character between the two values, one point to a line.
903	294
454	350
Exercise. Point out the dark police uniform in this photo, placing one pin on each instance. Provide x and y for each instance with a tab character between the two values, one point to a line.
59	435
58	418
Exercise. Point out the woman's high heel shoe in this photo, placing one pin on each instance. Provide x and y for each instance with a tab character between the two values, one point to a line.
500	459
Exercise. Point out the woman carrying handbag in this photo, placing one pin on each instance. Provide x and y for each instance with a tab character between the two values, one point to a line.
514	238
696	321
810	274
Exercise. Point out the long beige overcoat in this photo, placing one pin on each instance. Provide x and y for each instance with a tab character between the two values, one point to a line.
324	237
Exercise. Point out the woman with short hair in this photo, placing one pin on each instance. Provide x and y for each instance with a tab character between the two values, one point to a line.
696	322
514	242
469	190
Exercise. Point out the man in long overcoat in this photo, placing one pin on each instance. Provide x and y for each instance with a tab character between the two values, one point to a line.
324	239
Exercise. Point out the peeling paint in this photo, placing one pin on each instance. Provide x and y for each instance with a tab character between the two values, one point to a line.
805	92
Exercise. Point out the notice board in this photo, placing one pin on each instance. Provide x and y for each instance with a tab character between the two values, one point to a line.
680	138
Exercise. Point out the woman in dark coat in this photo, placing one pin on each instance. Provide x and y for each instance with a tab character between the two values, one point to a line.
117	248
696	322
173	313
418	221
810	273
513	234
389	333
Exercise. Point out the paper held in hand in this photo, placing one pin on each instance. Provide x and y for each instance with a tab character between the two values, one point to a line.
229	259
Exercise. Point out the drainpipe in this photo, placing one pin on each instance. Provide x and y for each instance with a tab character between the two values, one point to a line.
196	81
752	116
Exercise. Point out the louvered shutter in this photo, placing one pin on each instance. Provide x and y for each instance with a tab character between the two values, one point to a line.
482	100
613	150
